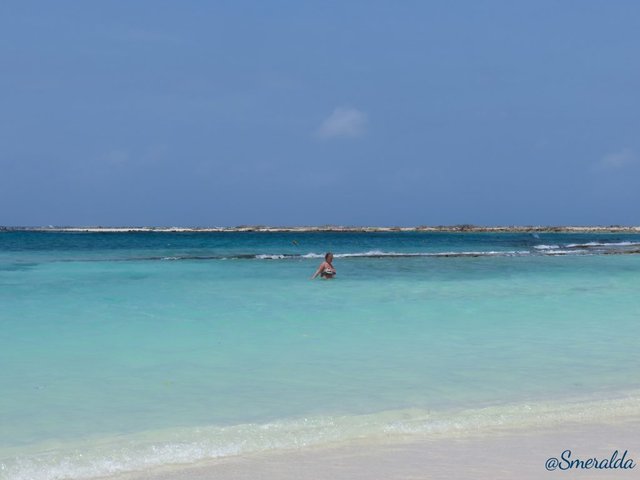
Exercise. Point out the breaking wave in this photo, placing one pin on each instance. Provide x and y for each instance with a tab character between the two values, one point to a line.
590	248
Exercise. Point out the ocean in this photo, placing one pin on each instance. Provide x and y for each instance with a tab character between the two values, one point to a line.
125	351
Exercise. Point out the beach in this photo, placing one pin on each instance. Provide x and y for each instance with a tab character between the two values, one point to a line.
319	241
212	355
495	455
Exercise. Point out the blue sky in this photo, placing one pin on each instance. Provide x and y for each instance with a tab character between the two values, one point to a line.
296	113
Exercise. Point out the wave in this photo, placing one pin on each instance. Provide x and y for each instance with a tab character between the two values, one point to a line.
546	247
603	244
378	254
587	248
368	254
547	250
111	456
566	252
590	248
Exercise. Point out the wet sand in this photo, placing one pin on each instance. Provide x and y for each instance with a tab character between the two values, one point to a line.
496	455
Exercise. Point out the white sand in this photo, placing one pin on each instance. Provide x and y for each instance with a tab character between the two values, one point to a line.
497	455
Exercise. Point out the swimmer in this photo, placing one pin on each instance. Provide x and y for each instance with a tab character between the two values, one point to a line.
326	270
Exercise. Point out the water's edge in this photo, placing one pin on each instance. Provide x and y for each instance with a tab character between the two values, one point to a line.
184	446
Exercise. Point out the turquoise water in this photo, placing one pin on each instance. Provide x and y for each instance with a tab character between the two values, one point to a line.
166	347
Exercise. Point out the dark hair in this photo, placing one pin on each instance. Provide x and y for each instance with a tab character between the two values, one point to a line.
326	256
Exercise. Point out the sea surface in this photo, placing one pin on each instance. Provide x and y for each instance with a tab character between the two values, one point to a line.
125	351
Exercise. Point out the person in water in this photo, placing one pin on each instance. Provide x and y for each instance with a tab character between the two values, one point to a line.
326	270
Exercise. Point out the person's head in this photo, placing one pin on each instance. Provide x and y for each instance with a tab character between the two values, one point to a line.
328	257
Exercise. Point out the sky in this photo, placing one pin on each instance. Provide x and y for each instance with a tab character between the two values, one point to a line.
225	113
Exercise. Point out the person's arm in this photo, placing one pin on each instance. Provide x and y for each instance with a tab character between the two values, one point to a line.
320	268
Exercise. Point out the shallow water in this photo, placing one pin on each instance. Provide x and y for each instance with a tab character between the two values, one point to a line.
175	338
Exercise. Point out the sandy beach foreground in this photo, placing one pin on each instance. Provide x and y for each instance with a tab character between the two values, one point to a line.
497	455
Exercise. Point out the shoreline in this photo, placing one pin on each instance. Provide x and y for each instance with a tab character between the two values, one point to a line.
281	447
331	228
497	454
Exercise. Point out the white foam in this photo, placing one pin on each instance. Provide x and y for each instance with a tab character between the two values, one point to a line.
565	252
546	247
377	253
512	253
181	446
603	244
380	253
312	255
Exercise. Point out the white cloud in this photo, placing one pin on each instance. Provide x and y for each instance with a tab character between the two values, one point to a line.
343	122
618	159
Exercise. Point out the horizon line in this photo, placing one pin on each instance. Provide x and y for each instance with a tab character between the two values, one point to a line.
330	228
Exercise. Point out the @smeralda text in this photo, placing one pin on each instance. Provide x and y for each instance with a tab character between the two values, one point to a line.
568	461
